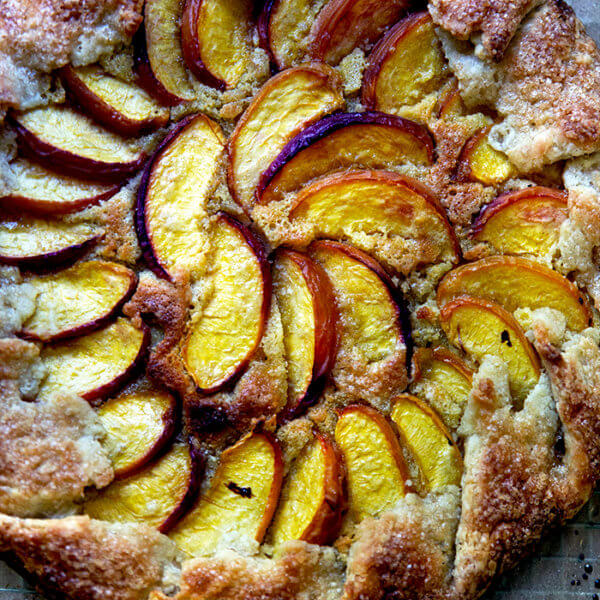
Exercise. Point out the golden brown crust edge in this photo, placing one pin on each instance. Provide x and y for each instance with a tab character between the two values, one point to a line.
82	559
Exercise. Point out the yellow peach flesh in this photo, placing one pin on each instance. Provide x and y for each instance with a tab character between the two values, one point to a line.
237	508
149	497
429	442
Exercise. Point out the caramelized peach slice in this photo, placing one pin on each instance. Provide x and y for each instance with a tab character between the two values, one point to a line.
376	468
215	38
171	215
341	142
450	103
224	333
158	496
478	161
68	142
378	203
523	222
77	300
515	282
286	104
158	55
239	505
343	25
480	327
42	192
406	69
119	106
371	313
444	377
283	27
138	426
96	365
34	243
429	442
312	499
308	316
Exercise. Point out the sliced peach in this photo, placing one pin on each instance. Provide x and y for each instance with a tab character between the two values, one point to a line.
283	26
480	327
224	333
98	364
377	472
119	106
372	315
446	377
138	426
77	300
515	282
39	243
157	497
478	161
313	496
286	104
429	442
158	55
378	203
341	142
450	103
523	222
406	69
171	214
215	39
239	505
68	142
40	191
308	315
343	25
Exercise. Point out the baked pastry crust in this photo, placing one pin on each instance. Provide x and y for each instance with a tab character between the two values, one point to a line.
38	37
526	468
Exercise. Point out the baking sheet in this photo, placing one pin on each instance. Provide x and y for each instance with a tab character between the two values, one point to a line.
566	565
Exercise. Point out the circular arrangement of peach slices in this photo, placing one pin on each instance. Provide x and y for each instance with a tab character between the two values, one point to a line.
350	228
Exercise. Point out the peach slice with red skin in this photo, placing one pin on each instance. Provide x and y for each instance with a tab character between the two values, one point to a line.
344	141
406	68
239	505
429	441
98	364
39	243
158	496
77	300
158	54
478	161
515	282
450	103
215	40
343	25
40	191
119	106
373	319
285	105
353	205
445	379
313	499
523	222
138	426
172	220
376	470
309	318
69	143
224	334
282	28
480	327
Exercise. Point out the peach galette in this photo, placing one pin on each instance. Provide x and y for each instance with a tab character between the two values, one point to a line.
298	298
